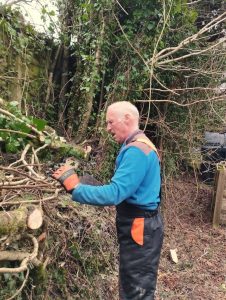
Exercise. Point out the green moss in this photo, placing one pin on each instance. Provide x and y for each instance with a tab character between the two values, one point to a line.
39	275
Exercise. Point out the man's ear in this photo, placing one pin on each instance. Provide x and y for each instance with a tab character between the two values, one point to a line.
127	117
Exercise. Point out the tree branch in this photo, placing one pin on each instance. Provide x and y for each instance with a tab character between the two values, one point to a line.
191	54
26	260
188	40
215	99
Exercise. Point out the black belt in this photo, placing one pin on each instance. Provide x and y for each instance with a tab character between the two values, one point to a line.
125	209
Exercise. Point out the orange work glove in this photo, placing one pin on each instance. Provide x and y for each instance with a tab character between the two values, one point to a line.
67	177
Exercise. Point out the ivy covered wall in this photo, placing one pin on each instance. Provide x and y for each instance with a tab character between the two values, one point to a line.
25	56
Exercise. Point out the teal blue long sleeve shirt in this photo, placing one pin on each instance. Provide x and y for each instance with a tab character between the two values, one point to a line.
136	180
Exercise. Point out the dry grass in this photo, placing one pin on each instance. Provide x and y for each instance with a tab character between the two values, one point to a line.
201	271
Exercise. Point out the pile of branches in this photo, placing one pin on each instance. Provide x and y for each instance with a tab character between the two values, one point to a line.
50	246
23	190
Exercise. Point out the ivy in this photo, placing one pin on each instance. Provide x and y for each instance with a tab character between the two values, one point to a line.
15	133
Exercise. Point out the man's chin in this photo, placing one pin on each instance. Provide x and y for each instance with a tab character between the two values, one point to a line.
116	139
119	141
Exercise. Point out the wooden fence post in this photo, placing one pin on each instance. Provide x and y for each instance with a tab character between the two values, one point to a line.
219	195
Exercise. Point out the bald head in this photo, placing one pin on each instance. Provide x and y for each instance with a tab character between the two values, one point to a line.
122	120
125	107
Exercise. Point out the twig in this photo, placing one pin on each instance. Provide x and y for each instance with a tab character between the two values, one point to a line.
122	7
14	2
7	187
22	286
19	132
32	201
12	183
22	159
35	157
194	2
25	174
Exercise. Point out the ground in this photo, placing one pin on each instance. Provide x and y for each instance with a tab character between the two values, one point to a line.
78	247
200	273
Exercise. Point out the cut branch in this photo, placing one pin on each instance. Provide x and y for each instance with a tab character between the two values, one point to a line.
19	219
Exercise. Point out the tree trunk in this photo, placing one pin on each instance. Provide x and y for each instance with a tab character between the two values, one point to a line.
89	96
16	94
50	78
63	90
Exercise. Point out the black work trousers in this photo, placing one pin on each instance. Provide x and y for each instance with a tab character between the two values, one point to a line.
138	263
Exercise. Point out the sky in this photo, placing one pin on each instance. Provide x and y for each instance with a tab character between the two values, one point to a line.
31	9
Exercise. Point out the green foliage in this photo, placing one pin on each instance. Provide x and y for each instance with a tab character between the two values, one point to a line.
9	283
14	141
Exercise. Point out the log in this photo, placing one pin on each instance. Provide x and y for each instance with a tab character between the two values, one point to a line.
18	220
35	218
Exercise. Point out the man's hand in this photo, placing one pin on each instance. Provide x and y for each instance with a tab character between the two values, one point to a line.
67	177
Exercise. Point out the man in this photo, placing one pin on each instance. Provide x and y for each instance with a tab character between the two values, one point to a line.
135	191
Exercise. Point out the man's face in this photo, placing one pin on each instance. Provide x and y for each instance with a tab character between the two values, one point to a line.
116	125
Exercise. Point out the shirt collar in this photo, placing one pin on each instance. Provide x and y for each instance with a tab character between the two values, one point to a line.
131	136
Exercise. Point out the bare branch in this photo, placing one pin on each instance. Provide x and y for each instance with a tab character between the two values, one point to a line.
199	88
162	85
190	39
215	99
26	175
191	54
184	68
152	65
33	201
